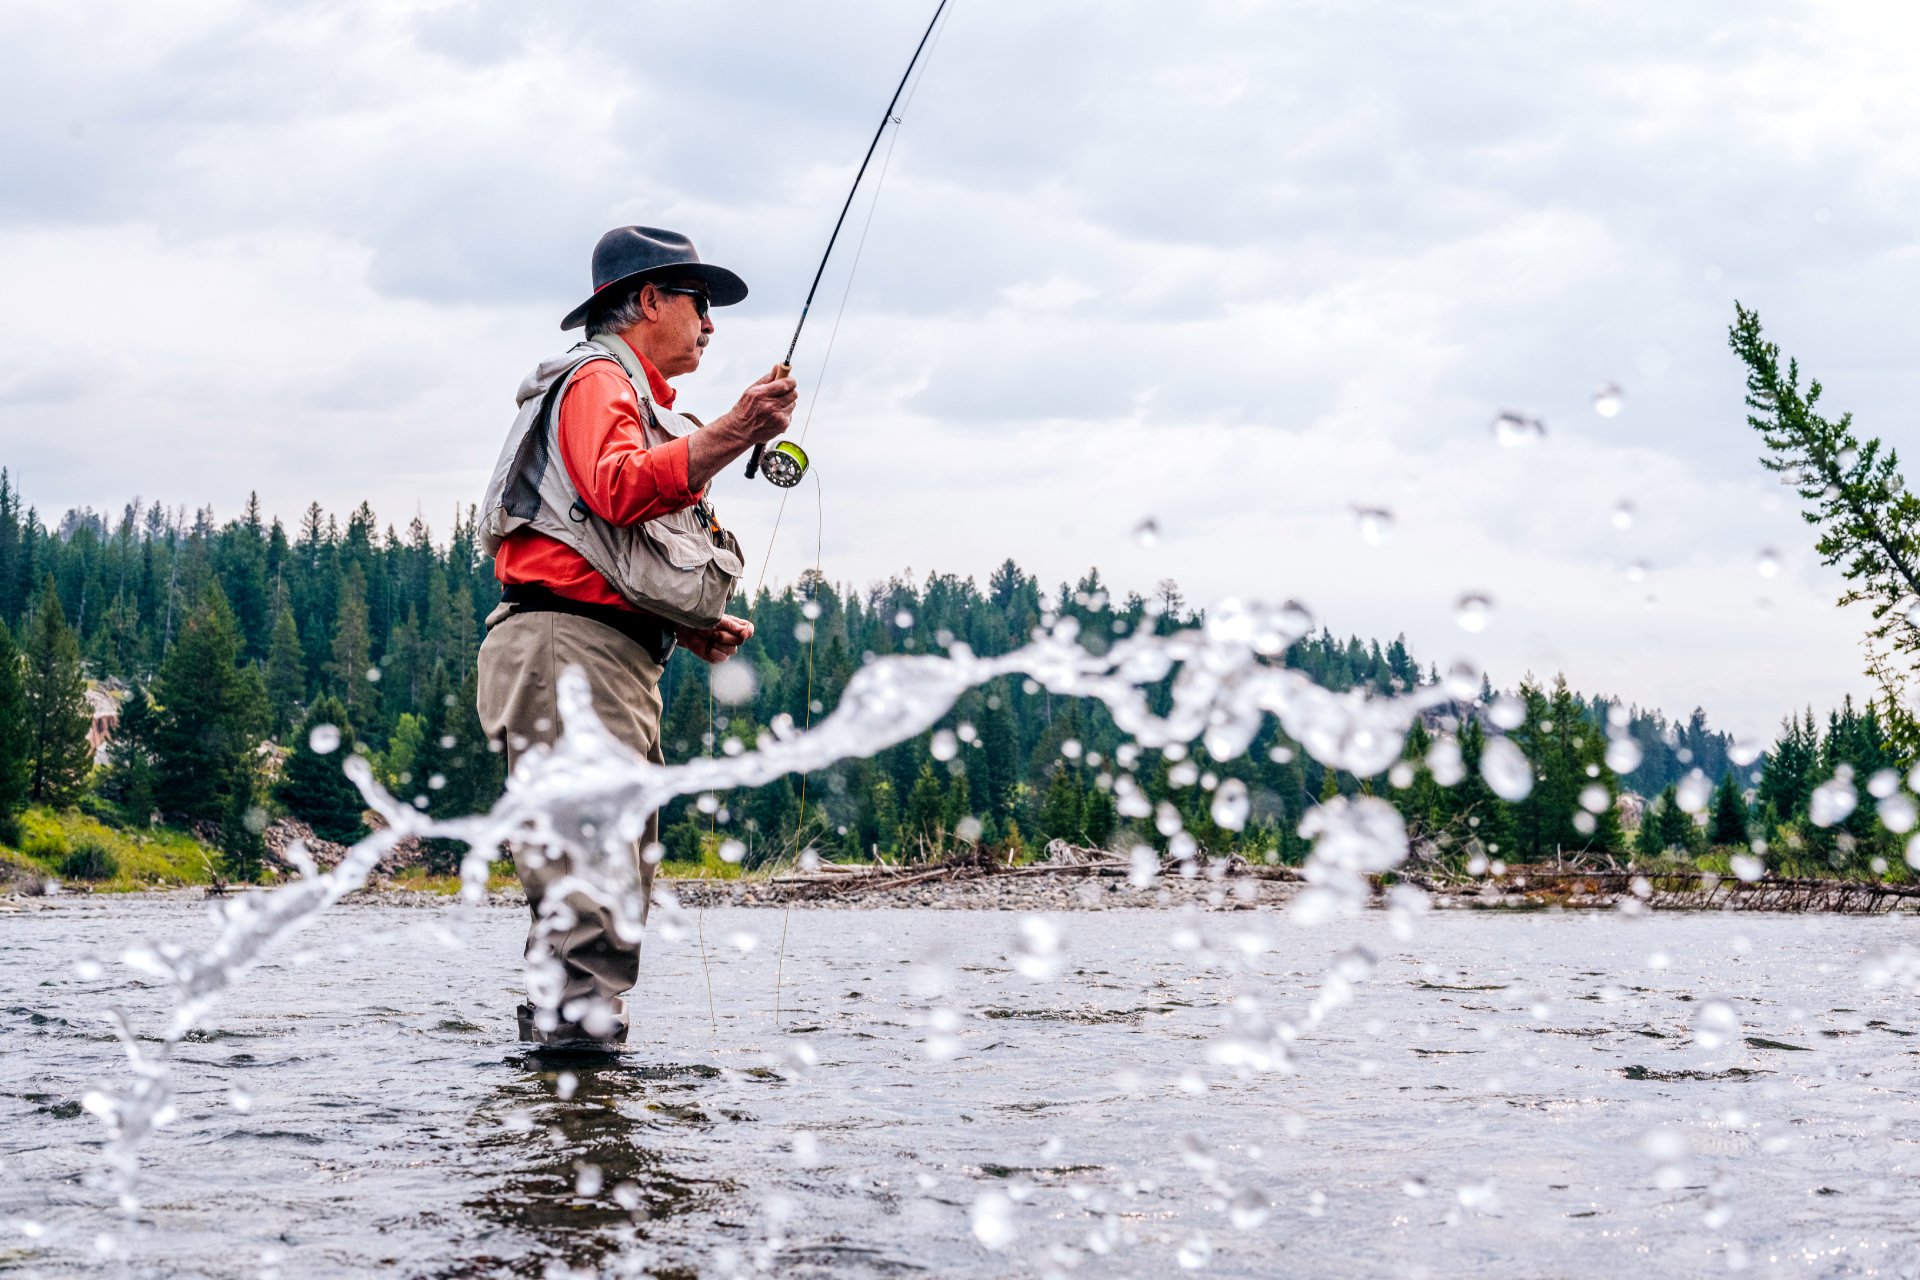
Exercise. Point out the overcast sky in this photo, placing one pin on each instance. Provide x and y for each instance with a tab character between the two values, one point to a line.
1235	267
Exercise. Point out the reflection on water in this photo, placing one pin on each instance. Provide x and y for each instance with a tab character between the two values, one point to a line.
579	1177
1501	1097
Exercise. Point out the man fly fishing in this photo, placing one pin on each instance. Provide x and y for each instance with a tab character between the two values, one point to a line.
610	558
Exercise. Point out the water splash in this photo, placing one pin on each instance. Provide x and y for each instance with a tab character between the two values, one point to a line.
586	798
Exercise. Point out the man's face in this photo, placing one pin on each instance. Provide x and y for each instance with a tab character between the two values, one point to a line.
681	326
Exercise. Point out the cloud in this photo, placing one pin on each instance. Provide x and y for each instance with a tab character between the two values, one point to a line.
1240	270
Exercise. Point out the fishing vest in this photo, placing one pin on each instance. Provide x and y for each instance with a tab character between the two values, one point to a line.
682	567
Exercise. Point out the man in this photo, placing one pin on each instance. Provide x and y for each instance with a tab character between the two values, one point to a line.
609	562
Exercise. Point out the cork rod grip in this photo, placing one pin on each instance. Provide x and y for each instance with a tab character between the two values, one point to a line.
753	459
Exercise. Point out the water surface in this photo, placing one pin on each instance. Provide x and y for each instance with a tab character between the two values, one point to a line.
1505	1096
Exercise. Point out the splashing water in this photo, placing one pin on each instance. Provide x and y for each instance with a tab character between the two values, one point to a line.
1506	769
586	798
1473	611
1515	430
1375	524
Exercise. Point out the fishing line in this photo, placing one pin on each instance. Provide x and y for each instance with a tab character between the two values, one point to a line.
789	475
937	30
799	826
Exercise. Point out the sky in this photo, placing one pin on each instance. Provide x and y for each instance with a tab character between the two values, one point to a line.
1237	269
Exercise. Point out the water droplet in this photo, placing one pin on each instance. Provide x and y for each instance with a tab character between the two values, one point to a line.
1715	1024
1194	1252
1637	571
324	740
945	746
1472	611
1623	513
992	1221
1883	783
1143	867
810	611
1768	562
1445	762
1231	805
1847	459
1608	400
587	1179
1594	798
87	969
1036	953
1514	430
1375	524
1747	867
1693	792
1897	813
1506	770
734	682
743	942
1623	755
1832	801
1147	532
565	1085
1248	1208
1507	712
732	851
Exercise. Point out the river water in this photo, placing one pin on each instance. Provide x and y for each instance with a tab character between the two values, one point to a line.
1504	1096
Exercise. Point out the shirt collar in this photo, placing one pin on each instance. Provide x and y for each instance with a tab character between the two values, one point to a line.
662	393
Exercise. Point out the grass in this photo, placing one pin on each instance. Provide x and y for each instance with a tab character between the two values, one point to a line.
499	876
160	857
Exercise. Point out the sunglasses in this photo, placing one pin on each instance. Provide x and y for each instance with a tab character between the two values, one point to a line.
701	303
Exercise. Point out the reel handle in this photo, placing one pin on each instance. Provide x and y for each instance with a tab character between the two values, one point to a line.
753	459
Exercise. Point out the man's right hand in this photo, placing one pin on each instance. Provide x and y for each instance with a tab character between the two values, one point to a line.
763	412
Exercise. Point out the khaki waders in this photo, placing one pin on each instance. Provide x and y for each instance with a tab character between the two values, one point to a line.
520	664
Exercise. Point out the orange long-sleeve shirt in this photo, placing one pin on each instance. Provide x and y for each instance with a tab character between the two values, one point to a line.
623	481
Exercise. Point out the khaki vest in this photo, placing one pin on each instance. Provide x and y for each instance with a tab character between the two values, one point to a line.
682	567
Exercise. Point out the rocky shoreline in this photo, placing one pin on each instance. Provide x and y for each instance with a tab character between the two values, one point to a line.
1089	889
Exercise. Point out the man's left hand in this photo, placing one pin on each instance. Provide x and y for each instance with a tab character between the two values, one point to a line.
718	642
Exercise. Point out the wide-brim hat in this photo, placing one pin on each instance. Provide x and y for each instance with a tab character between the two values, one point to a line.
635	255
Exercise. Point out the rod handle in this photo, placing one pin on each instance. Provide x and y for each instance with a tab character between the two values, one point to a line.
753	459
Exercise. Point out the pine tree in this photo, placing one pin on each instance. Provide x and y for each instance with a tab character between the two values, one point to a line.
212	714
131	776
1062	813
1099	816
458	768
57	714
15	739
352	651
921	829
1647	842
1675	828
1729	813
314	787
286	671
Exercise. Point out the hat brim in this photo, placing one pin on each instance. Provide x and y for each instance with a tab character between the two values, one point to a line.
724	288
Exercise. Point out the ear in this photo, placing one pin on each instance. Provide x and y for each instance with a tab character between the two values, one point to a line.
649	301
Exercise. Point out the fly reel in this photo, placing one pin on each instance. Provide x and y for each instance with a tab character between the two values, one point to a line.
784	464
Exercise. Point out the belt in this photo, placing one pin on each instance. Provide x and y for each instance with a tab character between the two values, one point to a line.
655	635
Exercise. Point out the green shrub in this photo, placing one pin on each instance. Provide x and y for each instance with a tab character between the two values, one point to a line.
89	859
45	844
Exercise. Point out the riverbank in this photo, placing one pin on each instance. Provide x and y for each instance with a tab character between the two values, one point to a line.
1044	888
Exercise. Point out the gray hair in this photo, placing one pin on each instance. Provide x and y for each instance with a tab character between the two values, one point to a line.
616	315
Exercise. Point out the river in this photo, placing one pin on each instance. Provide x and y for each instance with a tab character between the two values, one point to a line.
1504	1096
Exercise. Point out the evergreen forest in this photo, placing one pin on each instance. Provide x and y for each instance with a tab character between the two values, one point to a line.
250	658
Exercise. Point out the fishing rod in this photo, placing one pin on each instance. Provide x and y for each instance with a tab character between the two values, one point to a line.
789	460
